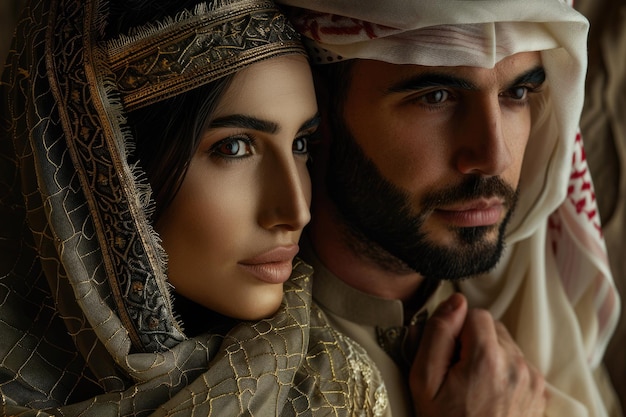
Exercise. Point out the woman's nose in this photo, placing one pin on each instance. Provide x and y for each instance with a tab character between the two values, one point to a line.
286	194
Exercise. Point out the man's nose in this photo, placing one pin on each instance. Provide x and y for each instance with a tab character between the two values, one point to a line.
482	148
286	194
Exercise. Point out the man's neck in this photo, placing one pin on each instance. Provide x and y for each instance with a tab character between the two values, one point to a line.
354	269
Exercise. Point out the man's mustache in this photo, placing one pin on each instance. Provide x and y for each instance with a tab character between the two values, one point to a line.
471	188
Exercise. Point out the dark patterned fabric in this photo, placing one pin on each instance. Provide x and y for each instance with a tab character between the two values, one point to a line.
86	322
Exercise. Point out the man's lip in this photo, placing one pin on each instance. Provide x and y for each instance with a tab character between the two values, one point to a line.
478	204
273	266
476	213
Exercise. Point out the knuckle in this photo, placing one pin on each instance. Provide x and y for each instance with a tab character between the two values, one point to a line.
480	315
538	382
488	361
438	324
500	327
519	372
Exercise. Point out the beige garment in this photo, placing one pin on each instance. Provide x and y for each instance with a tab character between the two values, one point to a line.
603	125
372	321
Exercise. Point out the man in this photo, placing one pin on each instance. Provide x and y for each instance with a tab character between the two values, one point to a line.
453	127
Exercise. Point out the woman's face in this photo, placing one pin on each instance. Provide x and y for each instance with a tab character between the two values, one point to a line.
232	230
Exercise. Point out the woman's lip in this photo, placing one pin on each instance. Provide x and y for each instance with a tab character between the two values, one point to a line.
271	272
473	214
273	266
278	254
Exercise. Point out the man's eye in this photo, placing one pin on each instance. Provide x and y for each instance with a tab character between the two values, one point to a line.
519	93
232	148
300	145
436	97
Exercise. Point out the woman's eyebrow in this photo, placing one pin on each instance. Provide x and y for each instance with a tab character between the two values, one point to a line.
254	123
246	122
313	122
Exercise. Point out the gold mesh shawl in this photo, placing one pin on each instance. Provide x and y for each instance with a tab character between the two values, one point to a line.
86	322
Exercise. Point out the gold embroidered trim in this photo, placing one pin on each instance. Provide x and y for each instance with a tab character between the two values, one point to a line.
158	62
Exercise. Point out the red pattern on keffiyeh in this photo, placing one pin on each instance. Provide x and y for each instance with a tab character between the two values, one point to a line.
316	25
574	227
580	193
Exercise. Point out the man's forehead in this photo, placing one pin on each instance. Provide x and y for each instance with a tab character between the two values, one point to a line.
401	77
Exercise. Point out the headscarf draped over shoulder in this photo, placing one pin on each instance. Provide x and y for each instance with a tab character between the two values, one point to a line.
86	321
553	287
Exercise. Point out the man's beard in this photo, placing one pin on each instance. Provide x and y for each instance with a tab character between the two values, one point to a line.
381	224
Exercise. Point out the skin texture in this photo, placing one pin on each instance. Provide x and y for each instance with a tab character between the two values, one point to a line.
429	131
232	230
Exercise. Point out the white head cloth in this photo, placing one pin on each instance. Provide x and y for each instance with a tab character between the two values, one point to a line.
553	287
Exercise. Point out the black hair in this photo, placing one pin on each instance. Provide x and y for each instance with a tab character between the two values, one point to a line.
334	80
167	135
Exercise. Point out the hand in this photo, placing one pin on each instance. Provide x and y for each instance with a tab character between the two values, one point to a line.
469	365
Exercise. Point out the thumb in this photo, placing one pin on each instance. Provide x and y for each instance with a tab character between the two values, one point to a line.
437	347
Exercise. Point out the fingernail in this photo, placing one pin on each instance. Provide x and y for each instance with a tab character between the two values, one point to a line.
452	303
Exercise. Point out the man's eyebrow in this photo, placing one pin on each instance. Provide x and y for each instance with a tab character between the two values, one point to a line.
244	121
534	76
429	80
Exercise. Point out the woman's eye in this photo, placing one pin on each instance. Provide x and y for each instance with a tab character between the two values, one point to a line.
232	148
300	145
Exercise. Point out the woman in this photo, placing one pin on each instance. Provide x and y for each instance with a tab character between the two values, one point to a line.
126	125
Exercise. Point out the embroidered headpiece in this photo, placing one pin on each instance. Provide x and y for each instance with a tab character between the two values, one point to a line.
156	62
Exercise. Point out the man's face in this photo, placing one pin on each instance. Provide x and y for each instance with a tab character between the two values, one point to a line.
427	161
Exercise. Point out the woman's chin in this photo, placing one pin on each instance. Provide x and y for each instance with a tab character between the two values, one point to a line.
260	307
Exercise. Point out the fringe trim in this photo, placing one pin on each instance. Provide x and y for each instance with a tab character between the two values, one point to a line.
200	11
101	18
141	190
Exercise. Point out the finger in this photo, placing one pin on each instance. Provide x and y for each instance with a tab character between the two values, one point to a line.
533	392
522	373
504	337
478	337
437	346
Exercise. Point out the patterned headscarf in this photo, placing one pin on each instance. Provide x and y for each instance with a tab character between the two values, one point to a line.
86	321
553	287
